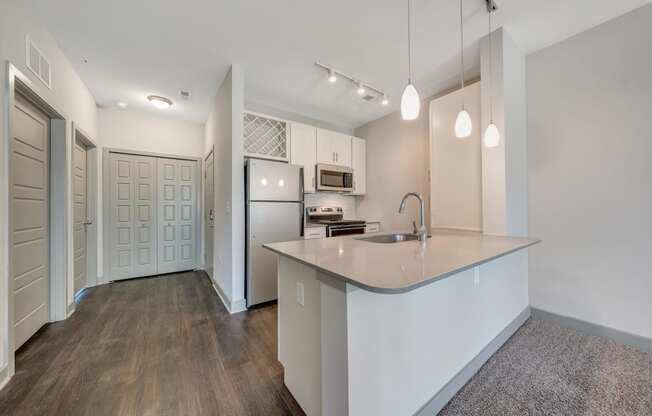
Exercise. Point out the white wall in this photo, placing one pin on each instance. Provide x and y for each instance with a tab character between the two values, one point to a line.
455	164
145	132
68	94
590	178
397	163
223	132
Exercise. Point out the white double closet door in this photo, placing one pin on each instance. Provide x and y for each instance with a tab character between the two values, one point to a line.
153	220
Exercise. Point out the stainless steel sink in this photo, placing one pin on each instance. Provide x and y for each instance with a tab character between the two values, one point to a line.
390	238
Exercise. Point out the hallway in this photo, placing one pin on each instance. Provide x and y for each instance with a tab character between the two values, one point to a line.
152	346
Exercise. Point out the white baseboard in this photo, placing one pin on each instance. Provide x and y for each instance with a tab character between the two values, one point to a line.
633	340
4	377
239	305
447	392
70	310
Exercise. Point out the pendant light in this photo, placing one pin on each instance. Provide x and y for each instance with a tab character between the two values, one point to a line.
463	123
410	101
491	134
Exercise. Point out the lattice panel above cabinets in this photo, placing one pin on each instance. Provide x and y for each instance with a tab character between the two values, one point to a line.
265	137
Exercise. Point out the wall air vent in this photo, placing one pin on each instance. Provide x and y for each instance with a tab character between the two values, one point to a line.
38	63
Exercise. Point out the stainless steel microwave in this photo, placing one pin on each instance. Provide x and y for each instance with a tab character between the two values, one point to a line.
334	178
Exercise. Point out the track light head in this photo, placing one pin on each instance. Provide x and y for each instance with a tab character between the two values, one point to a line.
332	77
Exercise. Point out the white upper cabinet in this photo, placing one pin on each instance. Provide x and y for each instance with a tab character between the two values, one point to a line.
359	165
303	152
333	148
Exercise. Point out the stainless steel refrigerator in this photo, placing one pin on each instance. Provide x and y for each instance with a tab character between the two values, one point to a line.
274	212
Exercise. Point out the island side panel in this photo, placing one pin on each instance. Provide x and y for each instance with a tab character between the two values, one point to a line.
334	353
299	333
404	348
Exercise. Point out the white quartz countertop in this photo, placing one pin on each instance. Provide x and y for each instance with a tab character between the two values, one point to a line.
399	267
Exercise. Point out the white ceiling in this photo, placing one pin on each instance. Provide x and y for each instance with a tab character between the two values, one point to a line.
137	48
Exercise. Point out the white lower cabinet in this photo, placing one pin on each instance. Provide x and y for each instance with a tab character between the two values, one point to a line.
372	227
311	233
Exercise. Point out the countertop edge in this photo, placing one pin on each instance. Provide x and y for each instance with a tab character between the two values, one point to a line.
408	288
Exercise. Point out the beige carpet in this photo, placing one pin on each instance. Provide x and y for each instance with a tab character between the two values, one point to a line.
546	369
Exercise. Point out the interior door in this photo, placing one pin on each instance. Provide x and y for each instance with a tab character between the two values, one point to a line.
79	214
133	216
29	238
209	212
176	204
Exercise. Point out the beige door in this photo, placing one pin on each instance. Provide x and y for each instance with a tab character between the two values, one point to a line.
176	207
132	228
209	212
79	213
29	249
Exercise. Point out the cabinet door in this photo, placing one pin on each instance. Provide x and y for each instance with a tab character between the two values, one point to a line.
325	148
333	148
359	165
343	151
303	152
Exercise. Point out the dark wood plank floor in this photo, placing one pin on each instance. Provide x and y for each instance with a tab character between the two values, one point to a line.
155	346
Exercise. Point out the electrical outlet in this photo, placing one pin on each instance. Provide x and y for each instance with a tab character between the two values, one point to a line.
228	207
300	294
476	276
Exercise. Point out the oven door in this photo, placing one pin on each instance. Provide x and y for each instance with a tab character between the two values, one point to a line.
340	230
334	178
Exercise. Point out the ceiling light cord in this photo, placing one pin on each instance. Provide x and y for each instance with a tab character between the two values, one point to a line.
462	44
409	44
491	64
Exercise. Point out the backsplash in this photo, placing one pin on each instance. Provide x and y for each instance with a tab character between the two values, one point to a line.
347	202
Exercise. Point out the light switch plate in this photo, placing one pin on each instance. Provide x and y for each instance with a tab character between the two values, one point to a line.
300	294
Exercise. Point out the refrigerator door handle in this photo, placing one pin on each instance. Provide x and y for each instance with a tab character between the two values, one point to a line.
303	208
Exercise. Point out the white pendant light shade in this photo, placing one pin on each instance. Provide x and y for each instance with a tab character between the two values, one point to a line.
410	103
491	136
463	125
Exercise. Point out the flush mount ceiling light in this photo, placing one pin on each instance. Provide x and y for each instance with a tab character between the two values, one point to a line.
463	123
160	102
121	105
410	101
491	134
361	87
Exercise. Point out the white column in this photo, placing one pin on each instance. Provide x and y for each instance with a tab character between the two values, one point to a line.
504	168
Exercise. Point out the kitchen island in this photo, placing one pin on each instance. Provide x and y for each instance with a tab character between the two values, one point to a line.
366	328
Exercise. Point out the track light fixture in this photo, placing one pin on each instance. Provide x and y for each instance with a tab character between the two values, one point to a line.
331	76
362	88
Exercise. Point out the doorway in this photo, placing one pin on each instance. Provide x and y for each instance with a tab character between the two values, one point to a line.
29	219
151	214
84	192
209	212
35	233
